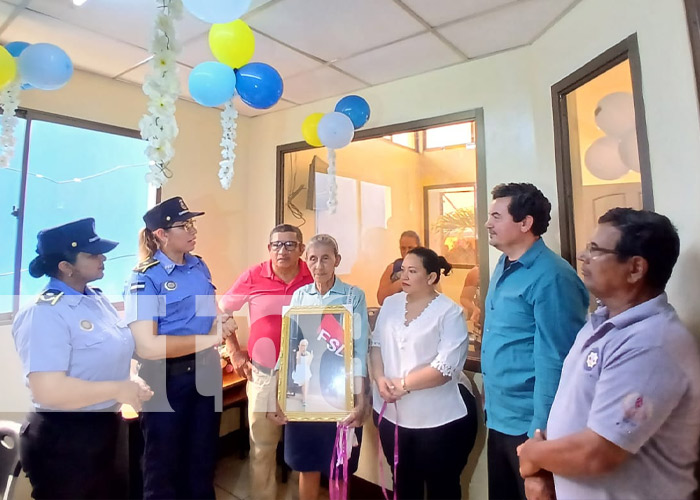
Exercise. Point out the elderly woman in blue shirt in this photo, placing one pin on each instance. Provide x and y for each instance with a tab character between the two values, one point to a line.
308	446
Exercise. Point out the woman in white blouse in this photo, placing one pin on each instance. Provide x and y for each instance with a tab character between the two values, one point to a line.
419	347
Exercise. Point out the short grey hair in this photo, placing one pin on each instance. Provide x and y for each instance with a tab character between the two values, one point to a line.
411	234
324	239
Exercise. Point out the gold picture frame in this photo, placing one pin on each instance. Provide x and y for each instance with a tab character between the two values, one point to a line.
313	384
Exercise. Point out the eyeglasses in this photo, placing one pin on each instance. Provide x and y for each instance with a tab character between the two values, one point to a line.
592	250
276	246
188	225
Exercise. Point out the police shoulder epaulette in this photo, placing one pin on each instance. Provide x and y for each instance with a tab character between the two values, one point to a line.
49	296
146	264
95	289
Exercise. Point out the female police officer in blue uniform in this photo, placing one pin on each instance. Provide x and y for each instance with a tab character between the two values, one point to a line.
76	359
170	307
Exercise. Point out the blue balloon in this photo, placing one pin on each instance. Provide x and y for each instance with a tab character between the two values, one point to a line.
16	48
259	85
45	66
355	108
212	83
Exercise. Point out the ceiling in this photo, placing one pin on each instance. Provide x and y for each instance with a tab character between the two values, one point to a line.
322	48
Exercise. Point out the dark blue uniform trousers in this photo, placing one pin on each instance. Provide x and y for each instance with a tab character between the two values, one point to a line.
180	446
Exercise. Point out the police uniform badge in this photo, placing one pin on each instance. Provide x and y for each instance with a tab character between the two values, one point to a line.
86	325
170	285
50	296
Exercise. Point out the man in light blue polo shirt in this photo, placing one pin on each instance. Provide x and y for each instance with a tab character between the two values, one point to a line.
535	306
625	422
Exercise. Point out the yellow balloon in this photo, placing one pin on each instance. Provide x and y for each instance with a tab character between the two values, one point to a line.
232	43
309	129
8	67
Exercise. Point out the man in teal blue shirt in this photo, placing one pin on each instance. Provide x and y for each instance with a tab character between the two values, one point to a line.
535	306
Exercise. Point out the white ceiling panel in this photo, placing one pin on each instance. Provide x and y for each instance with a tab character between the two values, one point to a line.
408	57
512	26
137	75
443	11
10	2
246	110
130	21
87	50
285	60
318	84
334	29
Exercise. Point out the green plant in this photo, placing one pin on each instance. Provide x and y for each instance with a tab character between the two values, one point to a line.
455	221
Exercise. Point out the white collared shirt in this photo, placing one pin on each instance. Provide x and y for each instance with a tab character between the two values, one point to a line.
438	338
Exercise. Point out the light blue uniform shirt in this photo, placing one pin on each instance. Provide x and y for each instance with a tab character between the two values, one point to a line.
79	334
341	294
179	297
633	379
534	309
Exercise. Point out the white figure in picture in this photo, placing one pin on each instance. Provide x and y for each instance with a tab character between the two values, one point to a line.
302	372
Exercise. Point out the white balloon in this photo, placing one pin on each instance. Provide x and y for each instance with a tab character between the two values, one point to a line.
603	159
615	114
629	152
335	130
217	11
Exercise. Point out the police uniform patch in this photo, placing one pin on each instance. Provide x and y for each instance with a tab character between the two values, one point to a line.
139	285
170	285
636	409
146	264
86	325
50	296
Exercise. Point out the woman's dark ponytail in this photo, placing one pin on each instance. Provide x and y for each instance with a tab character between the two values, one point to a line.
432	262
37	267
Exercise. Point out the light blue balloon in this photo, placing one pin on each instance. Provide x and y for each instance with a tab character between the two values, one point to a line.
335	130
212	83
16	48
356	108
45	66
217	11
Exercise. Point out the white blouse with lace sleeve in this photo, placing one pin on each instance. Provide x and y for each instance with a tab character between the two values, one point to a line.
438	338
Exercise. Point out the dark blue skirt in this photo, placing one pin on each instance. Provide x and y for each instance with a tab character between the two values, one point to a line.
308	446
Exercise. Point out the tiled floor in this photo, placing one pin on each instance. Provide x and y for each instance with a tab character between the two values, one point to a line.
232	481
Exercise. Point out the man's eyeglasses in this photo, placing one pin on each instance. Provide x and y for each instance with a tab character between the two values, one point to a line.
592	250
289	245
188	225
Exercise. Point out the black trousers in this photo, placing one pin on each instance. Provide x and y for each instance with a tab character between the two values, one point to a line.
70	455
505	482
180	427
431	459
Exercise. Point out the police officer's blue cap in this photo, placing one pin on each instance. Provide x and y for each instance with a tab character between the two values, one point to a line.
167	213
76	236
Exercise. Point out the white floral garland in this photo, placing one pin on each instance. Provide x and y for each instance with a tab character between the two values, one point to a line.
158	126
9	102
333	187
228	143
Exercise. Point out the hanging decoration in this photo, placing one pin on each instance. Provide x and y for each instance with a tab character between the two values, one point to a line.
23	66
212	84
228	144
335	130
158	126
9	102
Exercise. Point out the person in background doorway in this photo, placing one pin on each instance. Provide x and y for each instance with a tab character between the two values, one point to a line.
390	282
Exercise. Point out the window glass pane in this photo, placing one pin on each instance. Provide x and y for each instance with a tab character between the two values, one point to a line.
10	185
459	134
603	145
76	173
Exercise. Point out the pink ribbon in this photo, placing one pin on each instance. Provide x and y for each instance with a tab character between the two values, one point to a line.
337	487
396	451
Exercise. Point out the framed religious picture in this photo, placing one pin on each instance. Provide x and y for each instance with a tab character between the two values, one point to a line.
316	366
